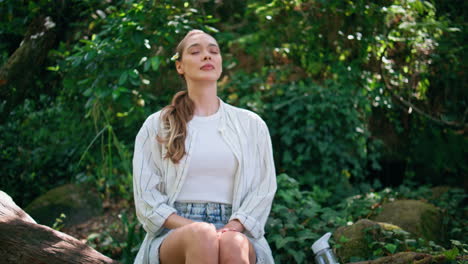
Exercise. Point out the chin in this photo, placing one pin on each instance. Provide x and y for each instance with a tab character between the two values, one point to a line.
207	78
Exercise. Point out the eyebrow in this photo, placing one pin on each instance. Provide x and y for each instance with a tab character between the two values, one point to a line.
198	44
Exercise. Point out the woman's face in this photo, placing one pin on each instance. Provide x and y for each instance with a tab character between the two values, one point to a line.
201	59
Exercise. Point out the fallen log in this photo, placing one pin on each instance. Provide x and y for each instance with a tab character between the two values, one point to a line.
22	240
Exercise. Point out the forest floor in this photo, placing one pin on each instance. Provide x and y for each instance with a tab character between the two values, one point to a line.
106	230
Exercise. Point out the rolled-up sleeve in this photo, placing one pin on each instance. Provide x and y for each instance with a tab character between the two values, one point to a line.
255	208
148	184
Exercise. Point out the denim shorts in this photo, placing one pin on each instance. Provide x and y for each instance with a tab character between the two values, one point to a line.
214	213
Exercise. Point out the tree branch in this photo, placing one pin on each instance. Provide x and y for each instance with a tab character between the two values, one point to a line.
408	104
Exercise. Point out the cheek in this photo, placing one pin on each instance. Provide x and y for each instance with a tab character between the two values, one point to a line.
190	64
219	60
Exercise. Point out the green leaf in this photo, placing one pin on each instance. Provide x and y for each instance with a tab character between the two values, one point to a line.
146	66
76	61
451	254
53	68
90	55
282	242
115	94
92	236
155	62
88	92
299	257
343	239
123	77
391	248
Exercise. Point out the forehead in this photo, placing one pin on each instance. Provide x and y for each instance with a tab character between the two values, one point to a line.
200	39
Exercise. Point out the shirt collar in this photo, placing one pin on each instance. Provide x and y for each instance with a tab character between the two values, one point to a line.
222	111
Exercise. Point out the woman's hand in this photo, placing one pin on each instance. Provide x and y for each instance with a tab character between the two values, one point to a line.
233	226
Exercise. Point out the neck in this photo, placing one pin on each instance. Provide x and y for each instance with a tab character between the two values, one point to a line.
204	96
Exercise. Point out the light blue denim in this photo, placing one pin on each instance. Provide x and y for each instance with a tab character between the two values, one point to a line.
214	213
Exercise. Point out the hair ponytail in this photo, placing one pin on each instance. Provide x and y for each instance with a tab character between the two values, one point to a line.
176	115
175	118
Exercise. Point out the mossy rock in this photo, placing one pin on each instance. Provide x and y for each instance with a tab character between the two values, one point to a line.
417	217
352	240
77	202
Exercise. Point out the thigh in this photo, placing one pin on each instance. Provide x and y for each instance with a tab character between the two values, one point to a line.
196	238
172	249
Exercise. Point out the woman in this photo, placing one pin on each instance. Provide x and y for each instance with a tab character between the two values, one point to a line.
203	171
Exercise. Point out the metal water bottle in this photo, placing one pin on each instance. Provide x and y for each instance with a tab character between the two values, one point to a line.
323	253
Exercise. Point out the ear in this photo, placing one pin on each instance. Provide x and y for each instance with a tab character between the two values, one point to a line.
179	68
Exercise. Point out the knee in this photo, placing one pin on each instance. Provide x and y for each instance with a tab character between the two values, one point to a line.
202	236
234	248
202	230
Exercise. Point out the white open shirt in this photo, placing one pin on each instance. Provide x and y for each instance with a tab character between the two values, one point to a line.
158	181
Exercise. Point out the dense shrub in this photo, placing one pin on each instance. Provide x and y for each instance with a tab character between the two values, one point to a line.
319	131
40	145
298	218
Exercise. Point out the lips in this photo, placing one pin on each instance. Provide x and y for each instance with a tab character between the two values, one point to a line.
207	66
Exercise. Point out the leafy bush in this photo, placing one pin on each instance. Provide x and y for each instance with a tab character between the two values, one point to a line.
119	71
45	150
300	217
319	131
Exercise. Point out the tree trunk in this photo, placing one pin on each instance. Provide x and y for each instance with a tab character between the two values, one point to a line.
24	241
17	75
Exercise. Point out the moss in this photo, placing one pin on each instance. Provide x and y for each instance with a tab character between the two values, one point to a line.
355	243
77	202
417	217
388	226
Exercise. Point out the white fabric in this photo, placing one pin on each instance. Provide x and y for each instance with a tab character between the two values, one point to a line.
210	176
157	181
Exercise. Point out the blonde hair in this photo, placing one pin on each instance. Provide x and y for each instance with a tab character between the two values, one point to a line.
176	115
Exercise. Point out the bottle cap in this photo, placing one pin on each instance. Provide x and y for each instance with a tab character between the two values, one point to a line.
321	243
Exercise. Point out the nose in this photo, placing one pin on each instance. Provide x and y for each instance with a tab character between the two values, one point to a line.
206	56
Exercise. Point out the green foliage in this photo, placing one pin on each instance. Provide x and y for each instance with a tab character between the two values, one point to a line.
318	72
38	148
58	224
394	241
298	218
452	202
113	71
319	131
119	240
288	228
126	55
380	54
430	142
317	85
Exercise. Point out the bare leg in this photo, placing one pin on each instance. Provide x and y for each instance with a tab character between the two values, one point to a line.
195	243
235	247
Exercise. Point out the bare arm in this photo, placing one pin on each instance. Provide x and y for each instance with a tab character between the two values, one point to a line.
174	221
